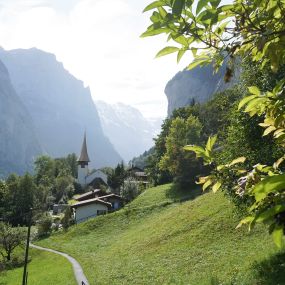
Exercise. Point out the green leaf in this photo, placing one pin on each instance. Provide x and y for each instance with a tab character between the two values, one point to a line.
238	160
215	3
278	162
245	101
221	27
210	143
217	186
269	185
220	167
180	54
177	7
194	148
267	214
254	105
207	184
181	40
199	61
254	90
201	4
153	5
166	50
225	8
277	235
154	32
269	130
247	220
162	12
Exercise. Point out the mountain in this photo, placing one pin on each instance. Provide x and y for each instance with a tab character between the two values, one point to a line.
18	144
198	84
130	133
59	104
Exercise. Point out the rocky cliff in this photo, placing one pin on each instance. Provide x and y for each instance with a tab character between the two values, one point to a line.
18	141
198	84
59	104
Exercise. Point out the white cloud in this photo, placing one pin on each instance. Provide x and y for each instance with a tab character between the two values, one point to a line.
98	41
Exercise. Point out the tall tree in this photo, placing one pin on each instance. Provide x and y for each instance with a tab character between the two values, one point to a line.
181	164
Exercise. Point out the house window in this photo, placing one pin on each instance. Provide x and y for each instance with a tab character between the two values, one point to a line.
101	212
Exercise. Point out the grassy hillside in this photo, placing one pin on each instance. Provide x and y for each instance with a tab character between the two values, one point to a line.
159	240
45	268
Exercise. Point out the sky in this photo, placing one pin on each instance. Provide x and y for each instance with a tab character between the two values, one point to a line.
98	42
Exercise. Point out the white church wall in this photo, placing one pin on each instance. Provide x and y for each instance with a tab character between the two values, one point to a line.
96	174
82	173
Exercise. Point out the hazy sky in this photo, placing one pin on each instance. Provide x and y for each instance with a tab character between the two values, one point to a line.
98	42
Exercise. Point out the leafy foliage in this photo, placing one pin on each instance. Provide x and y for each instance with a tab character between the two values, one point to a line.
130	189
212	31
184	167
116	177
44	225
10	238
253	29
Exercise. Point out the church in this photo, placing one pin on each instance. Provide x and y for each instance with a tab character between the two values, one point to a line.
94	202
86	178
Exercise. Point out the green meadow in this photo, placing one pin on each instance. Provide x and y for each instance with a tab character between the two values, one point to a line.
166	236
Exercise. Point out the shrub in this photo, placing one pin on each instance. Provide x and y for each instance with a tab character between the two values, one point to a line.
44	226
131	189
68	218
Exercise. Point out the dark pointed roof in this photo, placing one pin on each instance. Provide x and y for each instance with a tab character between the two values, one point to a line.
84	154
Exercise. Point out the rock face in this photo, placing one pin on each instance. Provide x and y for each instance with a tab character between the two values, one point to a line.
59	104
18	141
198	84
130	133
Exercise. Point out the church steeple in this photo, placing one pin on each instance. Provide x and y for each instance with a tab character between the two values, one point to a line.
83	164
84	158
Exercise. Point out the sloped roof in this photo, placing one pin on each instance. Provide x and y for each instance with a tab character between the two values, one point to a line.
84	154
110	196
91	201
87	194
135	168
140	173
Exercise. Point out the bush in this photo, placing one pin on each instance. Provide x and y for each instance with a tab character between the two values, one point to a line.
44	226
131	189
68	218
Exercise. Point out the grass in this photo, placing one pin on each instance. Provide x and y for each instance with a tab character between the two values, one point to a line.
45	268
159	239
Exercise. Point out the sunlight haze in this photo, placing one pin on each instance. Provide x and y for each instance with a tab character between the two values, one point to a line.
98	42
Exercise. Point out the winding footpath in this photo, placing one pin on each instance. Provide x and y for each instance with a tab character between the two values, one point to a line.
77	269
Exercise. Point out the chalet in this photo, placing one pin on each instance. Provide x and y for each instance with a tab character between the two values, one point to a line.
115	200
90	208
94	193
139	175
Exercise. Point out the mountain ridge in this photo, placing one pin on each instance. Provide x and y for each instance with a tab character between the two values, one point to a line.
128	130
59	104
196	85
20	146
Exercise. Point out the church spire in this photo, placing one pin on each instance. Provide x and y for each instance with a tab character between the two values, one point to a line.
84	158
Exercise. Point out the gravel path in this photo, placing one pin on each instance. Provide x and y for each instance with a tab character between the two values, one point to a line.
77	269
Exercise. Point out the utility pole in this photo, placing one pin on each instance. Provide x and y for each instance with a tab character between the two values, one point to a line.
25	274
